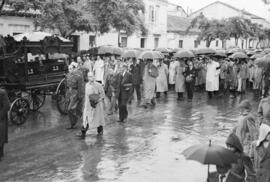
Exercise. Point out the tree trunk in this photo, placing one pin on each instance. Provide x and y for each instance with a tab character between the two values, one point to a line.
236	41
2	4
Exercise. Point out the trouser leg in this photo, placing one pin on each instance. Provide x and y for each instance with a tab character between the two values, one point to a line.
138	92
1	150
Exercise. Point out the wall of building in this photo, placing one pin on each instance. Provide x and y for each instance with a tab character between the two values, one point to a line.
216	11
13	25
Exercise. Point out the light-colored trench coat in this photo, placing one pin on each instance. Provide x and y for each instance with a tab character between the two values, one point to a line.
162	79
179	78
94	117
172	73
149	84
212	76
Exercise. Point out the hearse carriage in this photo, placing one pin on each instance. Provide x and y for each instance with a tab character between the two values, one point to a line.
29	72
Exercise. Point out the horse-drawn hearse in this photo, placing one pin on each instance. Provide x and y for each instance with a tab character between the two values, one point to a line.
29	71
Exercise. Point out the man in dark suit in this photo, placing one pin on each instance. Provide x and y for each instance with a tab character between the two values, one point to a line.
125	92
4	107
135	70
223	174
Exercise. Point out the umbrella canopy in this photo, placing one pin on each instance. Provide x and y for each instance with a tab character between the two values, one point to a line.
255	56
263	62
184	54
234	50
239	55
221	53
205	51
162	50
36	36
177	49
130	54
210	154
109	50
150	55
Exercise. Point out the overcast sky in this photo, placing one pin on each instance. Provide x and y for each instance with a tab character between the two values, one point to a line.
256	7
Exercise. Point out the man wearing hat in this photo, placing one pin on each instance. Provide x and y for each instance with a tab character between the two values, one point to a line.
125	91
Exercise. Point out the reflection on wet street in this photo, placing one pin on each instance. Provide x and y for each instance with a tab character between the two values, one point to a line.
147	148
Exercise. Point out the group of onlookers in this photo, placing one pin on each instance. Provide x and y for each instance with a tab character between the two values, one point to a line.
250	142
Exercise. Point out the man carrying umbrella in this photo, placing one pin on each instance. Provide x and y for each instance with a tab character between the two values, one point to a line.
135	70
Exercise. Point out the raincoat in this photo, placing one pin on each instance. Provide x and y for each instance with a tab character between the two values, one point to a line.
162	79
172	73
256	77
264	110
149	84
99	70
246	130
212	76
261	155
179	78
94	117
244	167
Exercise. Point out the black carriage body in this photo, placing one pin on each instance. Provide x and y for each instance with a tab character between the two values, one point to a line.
36	79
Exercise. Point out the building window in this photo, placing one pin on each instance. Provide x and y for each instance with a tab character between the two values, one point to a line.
143	41
216	43
156	42
151	14
92	41
76	42
196	43
157	14
19	28
123	42
180	44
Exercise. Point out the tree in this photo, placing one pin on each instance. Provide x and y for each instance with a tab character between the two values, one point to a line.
210	30
124	15
2	3
68	16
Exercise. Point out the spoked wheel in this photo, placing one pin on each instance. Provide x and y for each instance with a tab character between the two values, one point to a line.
36	99
19	111
61	100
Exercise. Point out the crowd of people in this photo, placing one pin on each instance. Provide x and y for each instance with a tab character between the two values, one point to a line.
91	80
116	79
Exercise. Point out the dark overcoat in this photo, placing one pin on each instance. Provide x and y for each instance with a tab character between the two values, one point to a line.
125	85
4	108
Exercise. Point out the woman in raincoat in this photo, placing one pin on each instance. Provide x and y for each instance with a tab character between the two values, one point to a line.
93	114
162	79
247	127
244	167
180	79
261	154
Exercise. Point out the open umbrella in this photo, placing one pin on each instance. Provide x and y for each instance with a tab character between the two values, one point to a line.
210	154
150	55
263	62
205	51
162	50
177	49
184	54
255	56
239	55
130	54
221	53
109	50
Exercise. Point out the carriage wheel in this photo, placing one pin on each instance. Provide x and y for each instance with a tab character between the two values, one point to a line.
37	99
61	100
19	111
